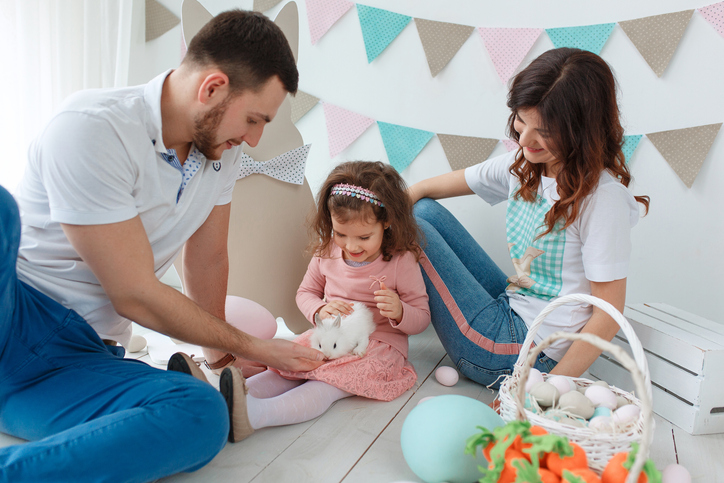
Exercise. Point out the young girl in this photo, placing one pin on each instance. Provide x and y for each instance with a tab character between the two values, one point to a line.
568	220
366	250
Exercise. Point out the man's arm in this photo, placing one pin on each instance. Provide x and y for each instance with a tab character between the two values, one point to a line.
581	354
120	256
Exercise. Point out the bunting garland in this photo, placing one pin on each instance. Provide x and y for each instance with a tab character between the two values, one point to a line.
655	37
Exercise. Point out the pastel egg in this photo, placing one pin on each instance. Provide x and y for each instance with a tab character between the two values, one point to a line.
601	423
601	383
578	423
137	344
576	403
446	375
545	394
601	396
626	414
534	377
563	384
675	474
621	401
425	399
601	411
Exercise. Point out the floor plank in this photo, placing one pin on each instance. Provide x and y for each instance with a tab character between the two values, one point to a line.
702	455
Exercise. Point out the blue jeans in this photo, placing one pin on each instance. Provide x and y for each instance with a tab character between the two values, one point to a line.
469	308
89	414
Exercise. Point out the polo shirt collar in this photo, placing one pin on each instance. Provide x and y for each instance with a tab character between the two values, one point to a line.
152	97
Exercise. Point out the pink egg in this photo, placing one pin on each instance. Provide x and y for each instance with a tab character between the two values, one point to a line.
446	375
534	377
601	396
675	474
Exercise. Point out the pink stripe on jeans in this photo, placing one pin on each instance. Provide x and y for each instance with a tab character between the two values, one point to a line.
457	315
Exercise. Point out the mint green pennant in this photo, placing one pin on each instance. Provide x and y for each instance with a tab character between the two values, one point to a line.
630	143
587	37
402	144
379	28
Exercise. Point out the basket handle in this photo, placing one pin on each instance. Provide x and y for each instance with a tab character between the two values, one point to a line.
633	340
640	381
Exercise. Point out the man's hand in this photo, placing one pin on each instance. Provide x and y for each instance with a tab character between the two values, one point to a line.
286	355
389	303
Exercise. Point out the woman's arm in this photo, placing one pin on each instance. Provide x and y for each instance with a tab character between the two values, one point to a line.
444	186
581	354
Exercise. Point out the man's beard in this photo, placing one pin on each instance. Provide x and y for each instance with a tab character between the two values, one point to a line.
205	130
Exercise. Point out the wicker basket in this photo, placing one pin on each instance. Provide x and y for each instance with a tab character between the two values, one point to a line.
599	446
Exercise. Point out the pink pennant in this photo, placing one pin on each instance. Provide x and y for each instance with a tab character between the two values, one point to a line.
343	127
510	144
714	14
508	47
322	14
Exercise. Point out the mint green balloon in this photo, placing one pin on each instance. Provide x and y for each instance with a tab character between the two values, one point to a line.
434	435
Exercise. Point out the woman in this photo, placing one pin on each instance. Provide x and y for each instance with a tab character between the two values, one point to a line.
568	223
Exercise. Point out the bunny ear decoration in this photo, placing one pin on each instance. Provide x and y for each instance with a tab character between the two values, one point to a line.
193	17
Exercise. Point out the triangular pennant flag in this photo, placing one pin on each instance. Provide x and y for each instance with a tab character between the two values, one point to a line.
402	144
379	28
343	127
302	103
465	151
322	14
587	37
629	145
264	5
509	144
714	14
657	37
441	41
508	47
159	20
685	149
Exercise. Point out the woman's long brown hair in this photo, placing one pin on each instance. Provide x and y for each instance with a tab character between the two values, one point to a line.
574	93
383	180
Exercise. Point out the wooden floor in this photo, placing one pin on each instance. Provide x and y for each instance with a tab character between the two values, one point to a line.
358	440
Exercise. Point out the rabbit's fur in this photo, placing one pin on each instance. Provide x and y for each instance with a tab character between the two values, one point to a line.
340	336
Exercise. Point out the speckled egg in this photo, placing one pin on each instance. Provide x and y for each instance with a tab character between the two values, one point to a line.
447	376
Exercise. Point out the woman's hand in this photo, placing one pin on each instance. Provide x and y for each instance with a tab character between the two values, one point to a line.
389	303
334	308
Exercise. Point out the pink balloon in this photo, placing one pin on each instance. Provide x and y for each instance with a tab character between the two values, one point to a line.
250	317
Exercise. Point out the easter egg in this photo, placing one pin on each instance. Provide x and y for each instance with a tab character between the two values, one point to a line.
675	474
425	399
544	393
563	384
601	423
601	396
576	403
434	435
534	377
446	375
626	414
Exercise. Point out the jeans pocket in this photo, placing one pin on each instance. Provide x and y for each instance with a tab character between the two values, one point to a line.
481	375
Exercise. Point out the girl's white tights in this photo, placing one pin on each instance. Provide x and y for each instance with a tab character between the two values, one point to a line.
275	401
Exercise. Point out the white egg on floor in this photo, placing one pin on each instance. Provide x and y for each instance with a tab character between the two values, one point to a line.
137	344
424	399
675	474
447	376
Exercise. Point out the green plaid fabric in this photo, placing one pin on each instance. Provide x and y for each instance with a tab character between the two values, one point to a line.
524	222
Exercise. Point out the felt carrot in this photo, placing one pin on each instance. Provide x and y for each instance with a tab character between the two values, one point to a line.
580	475
557	463
620	465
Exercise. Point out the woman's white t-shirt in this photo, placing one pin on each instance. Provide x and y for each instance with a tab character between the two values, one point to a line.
596	247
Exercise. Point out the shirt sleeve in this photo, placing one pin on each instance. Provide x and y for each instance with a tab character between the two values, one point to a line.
69	158
310	295
605	228
233	175
491	179
410	286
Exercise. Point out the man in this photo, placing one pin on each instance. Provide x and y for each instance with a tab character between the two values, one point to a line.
117	183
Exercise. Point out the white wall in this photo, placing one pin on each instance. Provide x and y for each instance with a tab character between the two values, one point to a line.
676	248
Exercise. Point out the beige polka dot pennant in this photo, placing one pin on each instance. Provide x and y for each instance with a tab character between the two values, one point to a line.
657	37
264	5
465	151
441	41
685	149
302	103
159	20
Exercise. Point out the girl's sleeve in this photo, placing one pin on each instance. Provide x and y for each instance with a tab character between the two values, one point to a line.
411	288
310	295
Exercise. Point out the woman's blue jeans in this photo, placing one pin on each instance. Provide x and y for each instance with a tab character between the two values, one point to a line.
89	414
469	307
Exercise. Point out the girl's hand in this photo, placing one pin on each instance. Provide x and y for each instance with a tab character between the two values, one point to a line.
334	308
389	303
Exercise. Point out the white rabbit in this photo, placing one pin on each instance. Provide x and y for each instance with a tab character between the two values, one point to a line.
337	336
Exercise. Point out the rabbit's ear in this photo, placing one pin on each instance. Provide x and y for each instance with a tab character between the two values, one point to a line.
337	322
193	17
317	320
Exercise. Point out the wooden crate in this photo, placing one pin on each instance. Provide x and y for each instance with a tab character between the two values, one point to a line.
685	354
